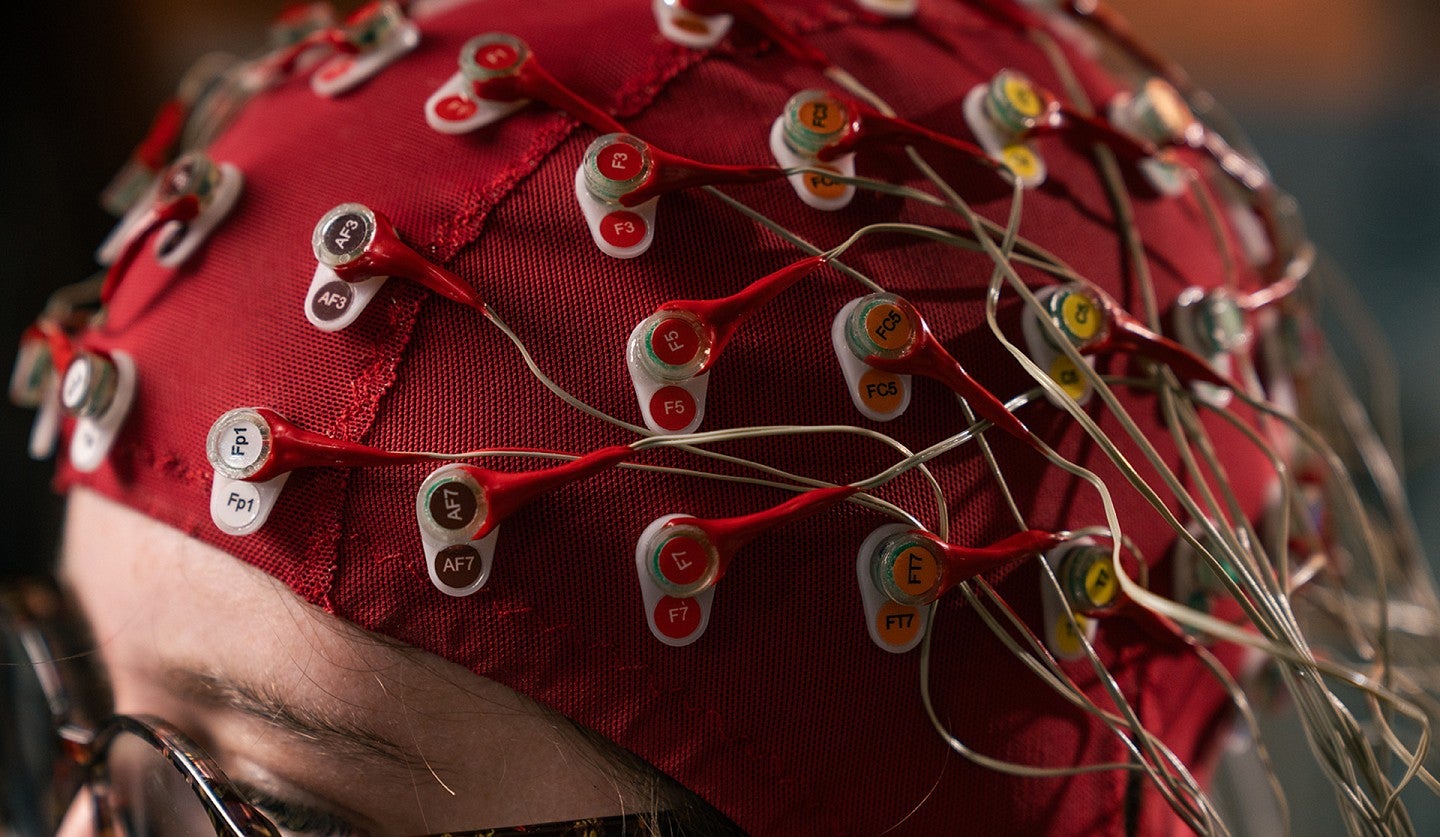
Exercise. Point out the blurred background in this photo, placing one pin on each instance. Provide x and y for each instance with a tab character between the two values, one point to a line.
1341	98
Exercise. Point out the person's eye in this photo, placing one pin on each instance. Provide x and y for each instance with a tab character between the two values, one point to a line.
299	820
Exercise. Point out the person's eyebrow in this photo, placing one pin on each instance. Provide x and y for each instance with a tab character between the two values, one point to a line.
333	733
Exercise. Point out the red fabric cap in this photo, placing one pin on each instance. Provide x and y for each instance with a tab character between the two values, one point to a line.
784	715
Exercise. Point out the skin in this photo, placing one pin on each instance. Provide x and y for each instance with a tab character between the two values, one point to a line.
275	690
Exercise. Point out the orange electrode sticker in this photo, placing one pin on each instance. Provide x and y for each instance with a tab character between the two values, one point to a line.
823	116
888	326
882	392
897	624
455	108
822	186
916	571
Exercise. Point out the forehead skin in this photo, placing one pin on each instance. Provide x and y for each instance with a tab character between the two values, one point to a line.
174	618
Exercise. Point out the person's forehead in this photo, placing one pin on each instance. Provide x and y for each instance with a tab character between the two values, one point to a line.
188	632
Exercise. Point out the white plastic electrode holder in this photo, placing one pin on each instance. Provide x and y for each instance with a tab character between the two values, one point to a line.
1250	232
450	508
176	241
1166	177
620	232
683	27
1194	583
816	190
877	394
240	508
93	436
1059	635
127	226
31	372
669	406
343	73
455	109
1020	158
332	304
1055	362
45	431
677	622
895	627
1211	324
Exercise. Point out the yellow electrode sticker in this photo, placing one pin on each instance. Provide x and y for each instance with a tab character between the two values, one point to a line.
1021	161
1021	96
1066	640
1064	372
1079	316
1100	583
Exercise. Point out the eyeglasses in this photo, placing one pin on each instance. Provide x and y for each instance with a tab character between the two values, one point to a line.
138	775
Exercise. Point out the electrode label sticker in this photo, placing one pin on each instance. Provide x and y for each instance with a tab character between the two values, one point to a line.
677	618
497	57
681	560
332	300
822	116
76	383
888	326
458	565
898	625
241	445
882	392
623	229
620	161
452	505
916	571
241	504
346	233
672	408
455	108
674	342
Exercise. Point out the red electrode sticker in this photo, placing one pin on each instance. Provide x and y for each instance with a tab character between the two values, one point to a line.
496	56
677	618
682	560
623	229
672	408
619	161
455	108
674	342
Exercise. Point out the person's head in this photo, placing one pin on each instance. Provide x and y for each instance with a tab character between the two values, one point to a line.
456	549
